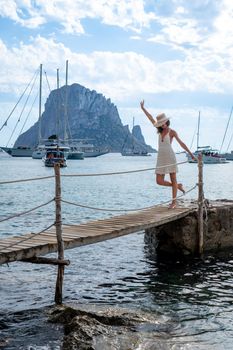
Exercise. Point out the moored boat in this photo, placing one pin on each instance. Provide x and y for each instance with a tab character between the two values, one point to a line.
210	156
20	151
134	153
74	153
227	155
54	156
88	149
52	143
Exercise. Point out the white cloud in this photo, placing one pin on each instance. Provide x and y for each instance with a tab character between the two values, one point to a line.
8	9
117	75
123	13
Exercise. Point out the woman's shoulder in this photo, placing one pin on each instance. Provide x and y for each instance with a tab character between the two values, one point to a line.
172	132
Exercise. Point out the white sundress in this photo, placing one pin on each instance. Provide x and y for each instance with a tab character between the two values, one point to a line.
166	158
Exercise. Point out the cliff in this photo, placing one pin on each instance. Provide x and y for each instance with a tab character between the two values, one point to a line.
76	112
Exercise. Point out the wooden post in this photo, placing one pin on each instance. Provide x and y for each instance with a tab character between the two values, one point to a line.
200	204
60	245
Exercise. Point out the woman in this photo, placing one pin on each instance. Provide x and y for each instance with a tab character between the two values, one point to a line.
166	160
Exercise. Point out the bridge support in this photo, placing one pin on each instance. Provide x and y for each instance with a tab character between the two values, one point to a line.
58	223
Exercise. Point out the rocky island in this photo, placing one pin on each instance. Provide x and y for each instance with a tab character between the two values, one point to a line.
75	112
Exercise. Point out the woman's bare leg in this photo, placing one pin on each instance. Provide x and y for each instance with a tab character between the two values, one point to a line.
160	180
181	188
174	190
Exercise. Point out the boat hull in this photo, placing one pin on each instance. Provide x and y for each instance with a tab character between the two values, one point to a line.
135	154
208	159
18	151
51	162
228	156
94	153
75	155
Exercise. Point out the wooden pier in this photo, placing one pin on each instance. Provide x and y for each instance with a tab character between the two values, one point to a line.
31	245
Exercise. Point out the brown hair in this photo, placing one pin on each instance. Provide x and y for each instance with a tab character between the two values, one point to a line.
160	129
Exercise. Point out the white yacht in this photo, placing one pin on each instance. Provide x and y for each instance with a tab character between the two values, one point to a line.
227	155
20	151
40	151
75	153
210	156
89	150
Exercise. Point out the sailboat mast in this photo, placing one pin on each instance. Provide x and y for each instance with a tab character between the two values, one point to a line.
57	78
65	107
133	134
226	129
66	72
58	114
198	128
40	98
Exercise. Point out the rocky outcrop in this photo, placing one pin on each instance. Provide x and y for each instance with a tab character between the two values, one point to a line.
76	112
137	133
86	329
180	237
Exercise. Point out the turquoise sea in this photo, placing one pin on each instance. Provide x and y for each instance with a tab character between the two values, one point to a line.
192	301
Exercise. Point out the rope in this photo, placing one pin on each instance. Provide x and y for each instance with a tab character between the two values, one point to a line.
27	238
47	81
27	211
34	101
93	174
24	106
126	210
5	123
123	172
25	180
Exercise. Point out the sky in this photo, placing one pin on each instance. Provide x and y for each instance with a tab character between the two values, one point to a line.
177	55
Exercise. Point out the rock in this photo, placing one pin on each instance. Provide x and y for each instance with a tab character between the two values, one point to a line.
86	115
180	238
88	330
137	133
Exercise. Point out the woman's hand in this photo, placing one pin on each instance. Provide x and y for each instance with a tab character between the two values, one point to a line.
142	104
193	157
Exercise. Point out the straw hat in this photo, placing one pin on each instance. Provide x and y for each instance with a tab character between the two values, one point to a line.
161	119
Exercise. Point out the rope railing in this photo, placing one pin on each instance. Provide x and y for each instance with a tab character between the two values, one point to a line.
27	211
27	238
127	210
123	172
26	180
91	174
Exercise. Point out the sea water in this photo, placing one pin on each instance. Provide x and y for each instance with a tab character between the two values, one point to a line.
192	301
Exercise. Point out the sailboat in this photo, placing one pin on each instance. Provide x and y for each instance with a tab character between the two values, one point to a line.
210	155
22	150
133	150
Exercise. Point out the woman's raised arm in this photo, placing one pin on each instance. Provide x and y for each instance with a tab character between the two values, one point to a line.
149	116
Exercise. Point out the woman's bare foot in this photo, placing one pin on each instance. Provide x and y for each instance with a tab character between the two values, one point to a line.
180	187
172	205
